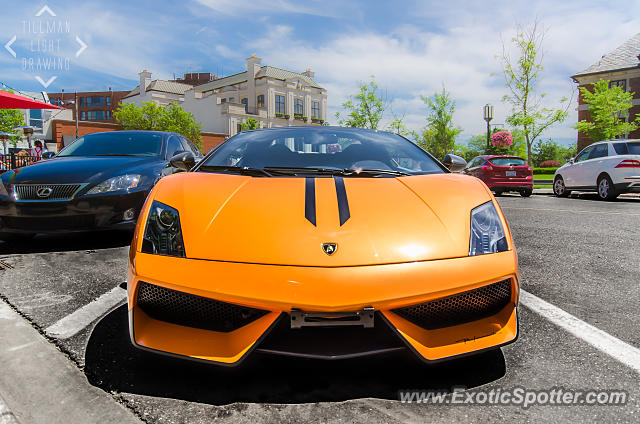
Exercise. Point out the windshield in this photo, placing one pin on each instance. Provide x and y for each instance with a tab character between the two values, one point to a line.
115	144
508	161
321	149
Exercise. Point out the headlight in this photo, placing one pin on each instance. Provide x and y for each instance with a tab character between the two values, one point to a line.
163	235
487	234
120	183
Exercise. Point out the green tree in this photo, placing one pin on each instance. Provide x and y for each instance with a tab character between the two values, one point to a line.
10	119
154	117
398	126
439	135
365	109
608	106
250	124
521	78
551	150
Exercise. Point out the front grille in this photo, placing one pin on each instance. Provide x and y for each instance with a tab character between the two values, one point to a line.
463	307
48	223
58	191
193	311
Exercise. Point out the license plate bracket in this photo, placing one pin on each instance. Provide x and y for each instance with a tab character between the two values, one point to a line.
364	318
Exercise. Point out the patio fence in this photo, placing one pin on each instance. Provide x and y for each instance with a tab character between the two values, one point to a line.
13	160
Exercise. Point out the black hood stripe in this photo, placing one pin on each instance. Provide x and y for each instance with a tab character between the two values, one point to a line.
343	203
310	200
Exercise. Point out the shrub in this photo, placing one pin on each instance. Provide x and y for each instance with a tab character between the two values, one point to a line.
550	164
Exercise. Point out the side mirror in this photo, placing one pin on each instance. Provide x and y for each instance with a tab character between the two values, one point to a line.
571	160
454	163
184	161
48	155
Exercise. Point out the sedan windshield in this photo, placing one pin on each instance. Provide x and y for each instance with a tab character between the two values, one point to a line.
115	144
320	151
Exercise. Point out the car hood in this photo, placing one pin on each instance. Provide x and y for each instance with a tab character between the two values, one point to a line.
262	220
69	170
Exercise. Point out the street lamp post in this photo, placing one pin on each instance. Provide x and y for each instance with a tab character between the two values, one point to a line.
488	116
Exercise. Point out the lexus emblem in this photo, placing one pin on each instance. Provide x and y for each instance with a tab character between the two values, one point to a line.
44	192
329	248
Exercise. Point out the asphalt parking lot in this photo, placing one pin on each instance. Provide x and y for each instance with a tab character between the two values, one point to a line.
579	254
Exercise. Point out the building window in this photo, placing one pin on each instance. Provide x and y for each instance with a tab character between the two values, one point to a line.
315	110
619	83
82	116
260	100
108	100
298	108
280	105
231	99
108	114
95	115
81	101
223	100
35	118
95	101
245	102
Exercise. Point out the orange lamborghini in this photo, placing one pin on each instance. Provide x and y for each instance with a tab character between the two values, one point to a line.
321	242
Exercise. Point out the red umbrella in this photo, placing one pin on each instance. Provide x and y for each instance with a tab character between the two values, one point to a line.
14	101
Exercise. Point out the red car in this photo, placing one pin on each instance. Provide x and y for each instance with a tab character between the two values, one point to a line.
502	173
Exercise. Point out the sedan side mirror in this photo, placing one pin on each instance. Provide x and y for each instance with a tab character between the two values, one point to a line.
454	163
571	160
48	155
184	161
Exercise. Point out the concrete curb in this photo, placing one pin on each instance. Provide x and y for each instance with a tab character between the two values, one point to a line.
40	385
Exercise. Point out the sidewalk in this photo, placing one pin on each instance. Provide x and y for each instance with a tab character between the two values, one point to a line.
38	384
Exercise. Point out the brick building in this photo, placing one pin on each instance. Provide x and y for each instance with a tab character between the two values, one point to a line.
621	67
95	106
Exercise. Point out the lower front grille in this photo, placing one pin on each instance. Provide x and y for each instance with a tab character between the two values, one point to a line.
35	224
194	311
460	308
45	192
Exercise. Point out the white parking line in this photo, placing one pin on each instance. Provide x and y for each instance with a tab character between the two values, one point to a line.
77	321
616	348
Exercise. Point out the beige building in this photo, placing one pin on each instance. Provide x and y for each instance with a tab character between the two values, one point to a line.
274	97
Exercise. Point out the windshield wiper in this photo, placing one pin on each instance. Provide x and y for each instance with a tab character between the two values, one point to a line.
346	172
373	172
244	170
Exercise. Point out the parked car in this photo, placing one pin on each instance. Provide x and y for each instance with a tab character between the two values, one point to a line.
502	173
609	168
99	181
278	243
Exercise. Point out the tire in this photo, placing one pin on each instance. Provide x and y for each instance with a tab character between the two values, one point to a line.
497	193
526	192
16	236
559	189
606	189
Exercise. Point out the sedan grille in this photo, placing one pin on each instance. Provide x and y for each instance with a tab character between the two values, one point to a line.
460	308
193	311
45	191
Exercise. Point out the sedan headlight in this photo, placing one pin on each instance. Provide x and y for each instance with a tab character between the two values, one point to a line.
487	234
120	183
163	235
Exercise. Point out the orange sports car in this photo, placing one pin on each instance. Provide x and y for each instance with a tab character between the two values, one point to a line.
321	242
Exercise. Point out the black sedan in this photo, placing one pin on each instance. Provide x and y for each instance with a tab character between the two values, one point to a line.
100	181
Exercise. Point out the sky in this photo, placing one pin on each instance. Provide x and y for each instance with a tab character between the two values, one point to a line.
413	48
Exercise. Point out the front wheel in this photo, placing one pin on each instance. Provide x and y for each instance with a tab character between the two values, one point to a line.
559	188
526	192
606	189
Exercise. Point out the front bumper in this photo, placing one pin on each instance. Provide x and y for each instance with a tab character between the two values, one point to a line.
84	213
280	289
